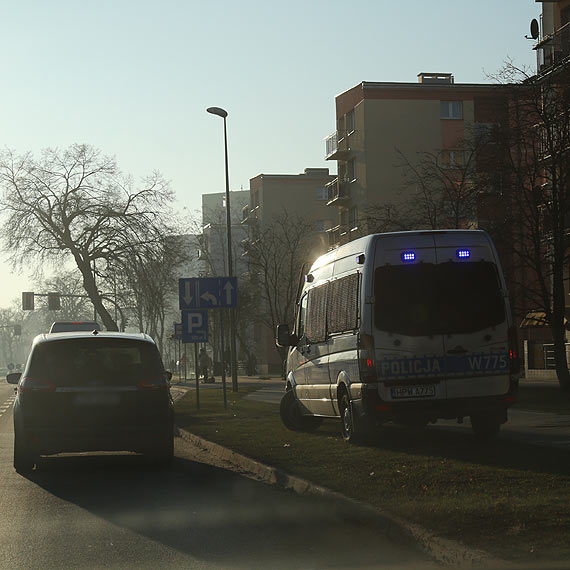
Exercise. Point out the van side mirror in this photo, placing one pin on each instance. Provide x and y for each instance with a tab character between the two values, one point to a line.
284	337
13	377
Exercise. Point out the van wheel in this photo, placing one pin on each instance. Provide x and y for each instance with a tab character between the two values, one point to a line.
23	457
292	417
350	430
485	427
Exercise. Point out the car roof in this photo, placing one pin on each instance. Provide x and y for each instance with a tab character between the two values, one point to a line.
53	337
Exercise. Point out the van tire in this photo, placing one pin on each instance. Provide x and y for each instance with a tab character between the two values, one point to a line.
351	432
485	427
292	417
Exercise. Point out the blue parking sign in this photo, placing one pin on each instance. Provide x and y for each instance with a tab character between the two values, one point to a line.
195	325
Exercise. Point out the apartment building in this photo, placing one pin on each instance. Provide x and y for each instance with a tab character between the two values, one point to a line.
383	126
213	240
553	35
289	199
545	329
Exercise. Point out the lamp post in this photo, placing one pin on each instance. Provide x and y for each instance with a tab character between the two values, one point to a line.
223	113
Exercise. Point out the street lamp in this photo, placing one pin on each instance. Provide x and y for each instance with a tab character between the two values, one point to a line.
223	113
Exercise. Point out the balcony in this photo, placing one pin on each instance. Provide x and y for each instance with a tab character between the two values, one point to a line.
338	145
338	192
553	49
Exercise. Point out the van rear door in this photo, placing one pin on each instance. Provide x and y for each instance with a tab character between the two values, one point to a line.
473	315
409	347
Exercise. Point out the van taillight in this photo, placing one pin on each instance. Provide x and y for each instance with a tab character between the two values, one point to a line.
514	361
154	383
29	384
367	358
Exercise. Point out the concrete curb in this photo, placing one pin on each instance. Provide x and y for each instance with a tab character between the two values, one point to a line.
447	552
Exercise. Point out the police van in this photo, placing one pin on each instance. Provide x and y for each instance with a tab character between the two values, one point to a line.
408	327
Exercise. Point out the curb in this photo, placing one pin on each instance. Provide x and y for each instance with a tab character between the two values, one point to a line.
445	551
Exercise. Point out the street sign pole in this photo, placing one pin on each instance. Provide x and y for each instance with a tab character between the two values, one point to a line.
222	345
196	372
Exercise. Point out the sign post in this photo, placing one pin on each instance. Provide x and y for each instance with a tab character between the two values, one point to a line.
198	294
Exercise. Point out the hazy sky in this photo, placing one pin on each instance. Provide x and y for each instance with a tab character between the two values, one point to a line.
134	77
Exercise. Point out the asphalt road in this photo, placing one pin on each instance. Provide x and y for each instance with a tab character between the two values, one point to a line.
114	511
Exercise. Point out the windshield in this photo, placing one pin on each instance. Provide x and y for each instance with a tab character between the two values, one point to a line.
447	298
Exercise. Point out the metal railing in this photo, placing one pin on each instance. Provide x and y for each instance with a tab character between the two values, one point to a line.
553	48
337	189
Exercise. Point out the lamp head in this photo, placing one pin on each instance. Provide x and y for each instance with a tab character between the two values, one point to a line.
217	111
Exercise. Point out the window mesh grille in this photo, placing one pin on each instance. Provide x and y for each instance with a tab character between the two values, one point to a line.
342	305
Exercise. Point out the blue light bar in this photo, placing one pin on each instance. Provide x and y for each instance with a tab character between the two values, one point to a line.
463	253
408	256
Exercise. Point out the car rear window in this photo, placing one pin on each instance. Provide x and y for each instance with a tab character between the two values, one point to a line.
425	299
104	361
71	326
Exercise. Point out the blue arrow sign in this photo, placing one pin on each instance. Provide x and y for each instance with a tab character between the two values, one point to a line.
194	325
207	292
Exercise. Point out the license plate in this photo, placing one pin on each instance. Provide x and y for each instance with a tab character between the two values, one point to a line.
425	391
97	399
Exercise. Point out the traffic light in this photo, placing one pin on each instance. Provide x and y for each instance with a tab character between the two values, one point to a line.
17	330
54	301
27	300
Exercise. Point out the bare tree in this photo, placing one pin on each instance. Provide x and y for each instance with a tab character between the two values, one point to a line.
275	258
76	205
440	187
75	305
150	275
534	166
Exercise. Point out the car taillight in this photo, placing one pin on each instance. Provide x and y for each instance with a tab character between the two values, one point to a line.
154	383
514	361
29	384
367	358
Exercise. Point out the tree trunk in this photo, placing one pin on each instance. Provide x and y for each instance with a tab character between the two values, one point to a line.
558	316
90	287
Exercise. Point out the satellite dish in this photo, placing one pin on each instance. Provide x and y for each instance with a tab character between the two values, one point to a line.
534	29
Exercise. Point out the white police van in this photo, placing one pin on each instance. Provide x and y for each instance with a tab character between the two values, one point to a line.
409	327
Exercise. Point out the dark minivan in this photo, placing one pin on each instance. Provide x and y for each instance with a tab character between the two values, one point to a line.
97	391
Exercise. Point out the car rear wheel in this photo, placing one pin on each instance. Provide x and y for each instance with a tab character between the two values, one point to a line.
23	456
485	427
292	417
162	456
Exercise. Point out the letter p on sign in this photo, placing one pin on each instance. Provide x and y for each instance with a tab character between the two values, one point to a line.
194	325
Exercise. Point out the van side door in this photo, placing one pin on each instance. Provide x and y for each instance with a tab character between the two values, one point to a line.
297	357
317	354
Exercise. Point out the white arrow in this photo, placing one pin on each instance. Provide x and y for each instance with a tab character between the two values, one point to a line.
228	288
187	296
209	298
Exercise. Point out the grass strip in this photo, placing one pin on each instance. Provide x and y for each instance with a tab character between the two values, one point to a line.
510	499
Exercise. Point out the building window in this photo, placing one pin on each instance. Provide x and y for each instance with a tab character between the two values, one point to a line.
451	109
322	193
453	159
322	225
350	122
351	170
352	217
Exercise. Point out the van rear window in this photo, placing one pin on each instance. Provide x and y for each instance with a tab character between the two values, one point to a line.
426	299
